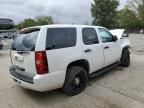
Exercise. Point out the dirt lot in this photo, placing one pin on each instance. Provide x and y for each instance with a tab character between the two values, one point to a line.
119	88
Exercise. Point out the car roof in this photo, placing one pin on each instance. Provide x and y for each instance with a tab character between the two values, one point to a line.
68	25
60	25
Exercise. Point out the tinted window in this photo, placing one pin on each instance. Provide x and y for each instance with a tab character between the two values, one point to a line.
60	38
105	35
25	41
89	36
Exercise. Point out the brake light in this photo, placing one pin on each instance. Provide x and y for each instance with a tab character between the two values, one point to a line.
41	62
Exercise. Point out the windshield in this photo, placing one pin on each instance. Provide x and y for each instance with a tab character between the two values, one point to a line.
26	41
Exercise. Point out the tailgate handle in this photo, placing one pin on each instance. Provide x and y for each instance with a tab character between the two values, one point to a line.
19	52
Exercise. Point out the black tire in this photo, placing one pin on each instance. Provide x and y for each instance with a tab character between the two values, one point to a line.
125	58
76	80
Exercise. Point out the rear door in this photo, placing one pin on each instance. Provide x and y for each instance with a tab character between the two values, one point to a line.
92	49
23	52
112	50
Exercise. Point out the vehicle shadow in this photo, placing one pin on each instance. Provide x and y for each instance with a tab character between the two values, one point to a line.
46	98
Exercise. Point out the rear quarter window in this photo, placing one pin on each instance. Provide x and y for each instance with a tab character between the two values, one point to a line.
60	38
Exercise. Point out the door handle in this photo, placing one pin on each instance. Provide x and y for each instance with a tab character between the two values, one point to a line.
87	50
106	47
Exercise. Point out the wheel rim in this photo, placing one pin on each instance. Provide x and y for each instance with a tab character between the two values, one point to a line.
78	82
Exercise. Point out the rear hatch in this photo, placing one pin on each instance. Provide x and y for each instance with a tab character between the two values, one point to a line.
23	52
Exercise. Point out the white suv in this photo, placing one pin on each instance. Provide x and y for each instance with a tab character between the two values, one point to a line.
65	56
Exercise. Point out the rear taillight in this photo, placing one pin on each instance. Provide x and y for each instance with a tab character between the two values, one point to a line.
41	62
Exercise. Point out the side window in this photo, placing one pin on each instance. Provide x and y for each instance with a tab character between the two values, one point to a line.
89	36
105	35
60	38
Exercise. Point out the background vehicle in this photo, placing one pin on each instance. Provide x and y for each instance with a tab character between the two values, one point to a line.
6	24
7	32
141	31
64	56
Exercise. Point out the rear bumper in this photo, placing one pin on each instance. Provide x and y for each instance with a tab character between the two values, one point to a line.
39	83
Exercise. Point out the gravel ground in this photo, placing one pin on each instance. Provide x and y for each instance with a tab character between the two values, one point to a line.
119	88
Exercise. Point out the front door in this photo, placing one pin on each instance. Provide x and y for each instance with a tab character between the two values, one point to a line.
111	48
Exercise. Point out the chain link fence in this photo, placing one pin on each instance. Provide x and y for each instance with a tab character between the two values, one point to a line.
6	38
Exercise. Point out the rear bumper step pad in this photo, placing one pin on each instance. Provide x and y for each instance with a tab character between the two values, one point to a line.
19	76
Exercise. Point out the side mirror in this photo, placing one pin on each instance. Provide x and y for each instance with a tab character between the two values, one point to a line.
115	38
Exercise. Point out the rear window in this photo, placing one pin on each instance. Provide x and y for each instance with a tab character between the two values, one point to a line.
26	40
60	38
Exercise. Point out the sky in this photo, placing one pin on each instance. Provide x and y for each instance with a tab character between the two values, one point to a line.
62	11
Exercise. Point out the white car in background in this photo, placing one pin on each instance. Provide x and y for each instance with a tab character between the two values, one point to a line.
65	56
141	31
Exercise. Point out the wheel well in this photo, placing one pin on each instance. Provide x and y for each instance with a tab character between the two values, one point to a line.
81	63
126	47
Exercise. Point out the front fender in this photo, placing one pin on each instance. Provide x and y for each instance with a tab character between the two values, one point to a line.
125	43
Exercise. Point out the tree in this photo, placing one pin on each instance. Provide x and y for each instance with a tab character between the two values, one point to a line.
44	20
41	20
103	12
126	18
138	7
26	23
